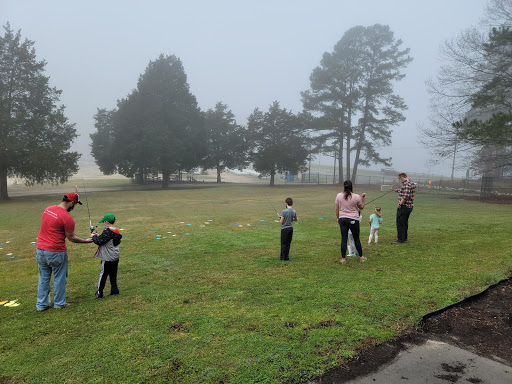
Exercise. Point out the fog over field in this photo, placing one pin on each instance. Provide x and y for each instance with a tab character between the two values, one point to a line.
246	54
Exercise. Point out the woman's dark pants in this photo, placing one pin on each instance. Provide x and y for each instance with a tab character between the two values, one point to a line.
353	225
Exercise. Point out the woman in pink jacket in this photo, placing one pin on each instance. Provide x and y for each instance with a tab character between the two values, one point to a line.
348	205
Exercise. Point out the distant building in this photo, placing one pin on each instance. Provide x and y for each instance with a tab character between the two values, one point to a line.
389	171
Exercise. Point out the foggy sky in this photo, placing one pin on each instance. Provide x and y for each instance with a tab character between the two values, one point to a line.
244	53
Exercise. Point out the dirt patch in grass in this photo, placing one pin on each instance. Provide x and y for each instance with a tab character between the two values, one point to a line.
481	324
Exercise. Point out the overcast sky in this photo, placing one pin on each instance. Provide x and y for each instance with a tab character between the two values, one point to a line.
244	53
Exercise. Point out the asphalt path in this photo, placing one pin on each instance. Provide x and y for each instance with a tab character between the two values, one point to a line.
436	362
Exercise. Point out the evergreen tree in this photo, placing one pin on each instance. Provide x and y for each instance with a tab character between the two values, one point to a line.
227	148
35	135
103	141
278	141
352	87
381	107
475	85
157	128
334	96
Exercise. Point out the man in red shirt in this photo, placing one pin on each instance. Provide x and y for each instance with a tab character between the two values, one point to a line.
405	205
51	254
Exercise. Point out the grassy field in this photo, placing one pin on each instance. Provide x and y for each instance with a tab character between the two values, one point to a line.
205	299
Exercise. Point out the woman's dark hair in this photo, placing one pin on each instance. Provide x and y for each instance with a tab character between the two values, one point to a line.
347	188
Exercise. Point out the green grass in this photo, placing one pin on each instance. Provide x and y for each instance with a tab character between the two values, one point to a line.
217	305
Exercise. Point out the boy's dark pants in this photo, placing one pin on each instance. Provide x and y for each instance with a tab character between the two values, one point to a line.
286	240
402	223
108	268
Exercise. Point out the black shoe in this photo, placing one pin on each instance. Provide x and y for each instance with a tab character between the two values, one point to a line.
99	295
397	242
114	292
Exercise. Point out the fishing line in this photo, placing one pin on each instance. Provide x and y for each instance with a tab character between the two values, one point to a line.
368	202
277	213
91	227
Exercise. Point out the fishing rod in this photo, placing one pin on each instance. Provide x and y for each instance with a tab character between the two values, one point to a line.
277	213
392	190
91	227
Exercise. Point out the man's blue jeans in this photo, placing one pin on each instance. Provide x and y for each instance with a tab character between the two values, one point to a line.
56	263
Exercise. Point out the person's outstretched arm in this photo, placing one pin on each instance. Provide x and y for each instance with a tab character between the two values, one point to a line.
71	236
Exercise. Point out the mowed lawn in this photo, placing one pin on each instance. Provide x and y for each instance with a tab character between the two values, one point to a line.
205	299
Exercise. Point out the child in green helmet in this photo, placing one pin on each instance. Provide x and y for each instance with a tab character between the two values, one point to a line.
108	252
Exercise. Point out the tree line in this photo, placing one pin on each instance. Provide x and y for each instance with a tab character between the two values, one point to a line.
159	128
471	104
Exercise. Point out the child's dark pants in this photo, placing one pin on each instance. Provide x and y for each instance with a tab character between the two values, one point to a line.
108	268
286	240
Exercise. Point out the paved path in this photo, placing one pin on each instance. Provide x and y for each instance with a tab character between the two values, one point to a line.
436	362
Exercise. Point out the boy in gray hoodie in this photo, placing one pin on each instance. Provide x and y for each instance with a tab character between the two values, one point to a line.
108	252
288	216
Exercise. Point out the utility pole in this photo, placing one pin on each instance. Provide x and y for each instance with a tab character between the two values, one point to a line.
334	174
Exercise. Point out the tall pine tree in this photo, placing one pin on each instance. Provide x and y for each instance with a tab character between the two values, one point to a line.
158	128
351	98
227	148
381	108
278	141
35	135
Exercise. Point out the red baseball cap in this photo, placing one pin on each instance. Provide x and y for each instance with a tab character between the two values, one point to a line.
72	196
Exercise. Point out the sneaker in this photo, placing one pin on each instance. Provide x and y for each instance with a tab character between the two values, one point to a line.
396	242
116	292
351	255
99	295
43	309
65	306
369	243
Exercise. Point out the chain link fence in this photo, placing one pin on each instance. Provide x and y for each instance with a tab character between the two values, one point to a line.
485	187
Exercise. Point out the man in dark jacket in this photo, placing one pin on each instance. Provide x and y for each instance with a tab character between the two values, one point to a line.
108	252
